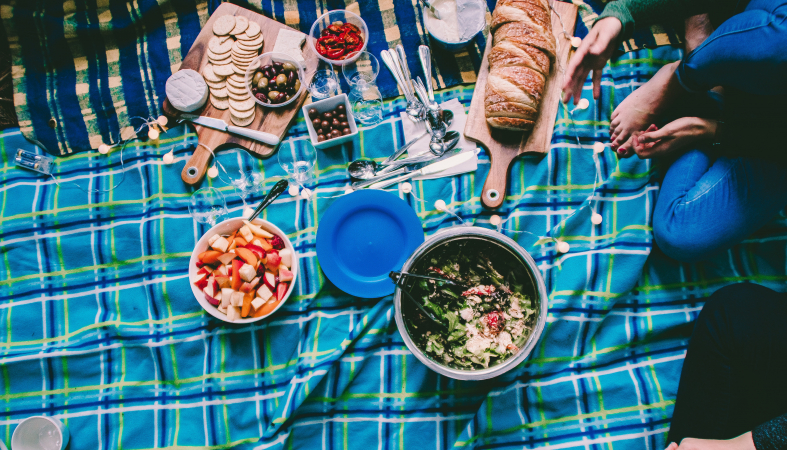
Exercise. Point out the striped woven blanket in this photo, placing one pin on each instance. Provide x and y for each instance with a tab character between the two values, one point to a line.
85	71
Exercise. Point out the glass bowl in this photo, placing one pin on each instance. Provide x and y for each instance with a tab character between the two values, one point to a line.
270	58
332	16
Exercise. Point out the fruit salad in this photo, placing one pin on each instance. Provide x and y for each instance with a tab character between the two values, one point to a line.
245	274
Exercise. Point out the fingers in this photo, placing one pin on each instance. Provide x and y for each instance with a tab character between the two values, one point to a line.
653	134
597	83
575	75
672	446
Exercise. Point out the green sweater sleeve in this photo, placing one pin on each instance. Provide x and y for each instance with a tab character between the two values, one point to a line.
642	13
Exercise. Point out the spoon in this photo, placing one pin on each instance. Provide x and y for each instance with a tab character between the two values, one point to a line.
273	194
363	169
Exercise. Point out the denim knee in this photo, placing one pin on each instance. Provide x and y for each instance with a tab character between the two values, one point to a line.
679	243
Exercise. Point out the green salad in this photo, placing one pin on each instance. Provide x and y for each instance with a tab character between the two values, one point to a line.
486	318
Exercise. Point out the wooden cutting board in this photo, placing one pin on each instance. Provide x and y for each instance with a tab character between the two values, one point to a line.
271	120
504	146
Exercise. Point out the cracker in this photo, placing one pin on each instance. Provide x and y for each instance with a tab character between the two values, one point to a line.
237	98
209	75
237	91
219	103
255	42
242	114
223	25
223	70
217	84
244	105
241	24
219	92
220	62
242	122
240	84
253	29
219	46
238	70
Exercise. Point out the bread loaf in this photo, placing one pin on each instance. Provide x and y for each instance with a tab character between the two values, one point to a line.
523	48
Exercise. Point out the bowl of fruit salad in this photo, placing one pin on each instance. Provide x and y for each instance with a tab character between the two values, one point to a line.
243	271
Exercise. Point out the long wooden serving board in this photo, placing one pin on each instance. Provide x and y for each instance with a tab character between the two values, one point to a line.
271	120
504	146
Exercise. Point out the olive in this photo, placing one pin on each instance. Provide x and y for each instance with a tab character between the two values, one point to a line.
256	77
266	67
325	125
268	74
290	91
340	108
291	77
297	85
261	97
288	67
313	114
278	66
320	137
346	131
281	80
273	95
262	83
282	97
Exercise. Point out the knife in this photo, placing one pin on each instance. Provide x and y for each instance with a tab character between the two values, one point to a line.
428	170
218	124
407	165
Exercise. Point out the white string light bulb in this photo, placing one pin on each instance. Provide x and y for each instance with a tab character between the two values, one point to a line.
440	205
103	149
576	41
583	104
495	220
293	190
596	218
306	193
169	157
213	172
563	247
162	120
153	134
406	187
598	147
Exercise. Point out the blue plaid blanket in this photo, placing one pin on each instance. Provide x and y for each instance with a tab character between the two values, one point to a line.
100	329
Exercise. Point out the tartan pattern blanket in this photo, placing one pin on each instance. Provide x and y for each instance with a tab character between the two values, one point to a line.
85	70
100	329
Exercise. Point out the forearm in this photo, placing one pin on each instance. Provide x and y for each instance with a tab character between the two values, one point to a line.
642	13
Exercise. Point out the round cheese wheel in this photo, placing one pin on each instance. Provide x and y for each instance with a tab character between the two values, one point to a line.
186	90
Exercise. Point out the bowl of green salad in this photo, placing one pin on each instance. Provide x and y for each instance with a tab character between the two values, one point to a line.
487	315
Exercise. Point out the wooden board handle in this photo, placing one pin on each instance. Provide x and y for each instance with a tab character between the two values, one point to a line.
494	192
196	166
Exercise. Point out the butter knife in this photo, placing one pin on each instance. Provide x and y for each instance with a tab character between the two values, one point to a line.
218	124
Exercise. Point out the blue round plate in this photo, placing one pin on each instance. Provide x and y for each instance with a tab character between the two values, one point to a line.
363	236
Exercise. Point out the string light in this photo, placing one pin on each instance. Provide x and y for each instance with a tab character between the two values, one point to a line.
306	193
440	205
576	41
596	218
406	187
213	172
495	220
103	149
169	157
162	120
563	247
598	147
153	134
293	190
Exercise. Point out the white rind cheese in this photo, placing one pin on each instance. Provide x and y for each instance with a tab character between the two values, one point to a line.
290	42
186	90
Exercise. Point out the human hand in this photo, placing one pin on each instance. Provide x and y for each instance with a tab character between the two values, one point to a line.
592	54
742	442
676	135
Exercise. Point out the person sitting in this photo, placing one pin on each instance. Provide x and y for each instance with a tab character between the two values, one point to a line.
732	394
728	177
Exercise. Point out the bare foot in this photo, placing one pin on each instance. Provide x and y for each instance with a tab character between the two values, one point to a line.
643	106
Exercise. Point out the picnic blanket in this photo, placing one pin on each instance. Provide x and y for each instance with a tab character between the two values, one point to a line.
85	73
100	329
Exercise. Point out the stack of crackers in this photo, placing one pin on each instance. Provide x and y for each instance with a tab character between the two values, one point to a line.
236	43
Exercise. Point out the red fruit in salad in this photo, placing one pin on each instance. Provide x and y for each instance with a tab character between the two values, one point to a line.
281	290
495	321
277	242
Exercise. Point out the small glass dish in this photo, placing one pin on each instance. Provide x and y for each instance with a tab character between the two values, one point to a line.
326	20
271	58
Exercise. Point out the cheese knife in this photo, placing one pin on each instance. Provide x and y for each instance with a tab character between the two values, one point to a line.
218	124
439	166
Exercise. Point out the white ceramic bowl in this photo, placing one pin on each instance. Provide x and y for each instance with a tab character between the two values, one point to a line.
227	227
330	17
329	104
269	58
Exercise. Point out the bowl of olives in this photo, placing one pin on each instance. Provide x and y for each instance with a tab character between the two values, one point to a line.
330	121
275	79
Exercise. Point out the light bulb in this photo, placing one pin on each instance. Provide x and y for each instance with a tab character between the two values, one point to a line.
495	220
213	172
563	247
598	147
306	193
596	218
293	190
153	134
576	41
103	149
406	188
162	120
168	157
583	104
440	205
349	190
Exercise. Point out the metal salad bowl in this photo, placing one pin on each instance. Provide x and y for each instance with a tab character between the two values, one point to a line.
535	289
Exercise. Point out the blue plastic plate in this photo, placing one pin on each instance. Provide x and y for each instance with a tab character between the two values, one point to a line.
363	236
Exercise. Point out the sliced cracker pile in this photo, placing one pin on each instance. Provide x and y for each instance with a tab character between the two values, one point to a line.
236	43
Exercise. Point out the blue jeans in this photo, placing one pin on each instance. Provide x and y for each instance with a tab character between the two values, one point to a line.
709	203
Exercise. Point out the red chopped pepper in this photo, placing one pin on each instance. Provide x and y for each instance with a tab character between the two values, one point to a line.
338	40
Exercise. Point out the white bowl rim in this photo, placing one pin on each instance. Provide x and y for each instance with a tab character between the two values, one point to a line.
200	296
339	62
290	59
